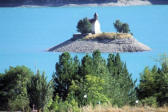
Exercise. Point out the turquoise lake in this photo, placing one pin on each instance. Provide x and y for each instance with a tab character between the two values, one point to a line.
25	34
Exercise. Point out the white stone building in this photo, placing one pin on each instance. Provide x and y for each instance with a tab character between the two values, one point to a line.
95	24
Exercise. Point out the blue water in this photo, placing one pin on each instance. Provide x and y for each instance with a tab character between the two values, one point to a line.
25	33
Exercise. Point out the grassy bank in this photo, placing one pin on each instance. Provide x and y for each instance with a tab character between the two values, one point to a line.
107	35
123	109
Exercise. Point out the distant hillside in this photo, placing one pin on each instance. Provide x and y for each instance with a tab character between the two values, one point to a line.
52	1
7	3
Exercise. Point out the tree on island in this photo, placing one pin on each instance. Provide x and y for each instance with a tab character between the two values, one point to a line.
84	26
121	27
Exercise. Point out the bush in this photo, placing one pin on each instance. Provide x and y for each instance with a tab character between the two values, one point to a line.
64	106
125	28
121	27
150	101
84	26
118	25
13	93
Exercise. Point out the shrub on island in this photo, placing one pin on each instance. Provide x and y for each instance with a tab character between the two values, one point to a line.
121	27
108	35
84	26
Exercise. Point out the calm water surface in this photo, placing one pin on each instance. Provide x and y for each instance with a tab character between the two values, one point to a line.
25	33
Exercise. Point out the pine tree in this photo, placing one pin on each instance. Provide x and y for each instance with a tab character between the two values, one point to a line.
66	71
99	65
92	70
39	91
100	70
86	66
154	84
110	63
122	87
93	76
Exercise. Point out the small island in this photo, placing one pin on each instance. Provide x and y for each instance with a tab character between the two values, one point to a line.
91	38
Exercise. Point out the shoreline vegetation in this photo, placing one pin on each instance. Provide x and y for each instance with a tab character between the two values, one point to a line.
58	3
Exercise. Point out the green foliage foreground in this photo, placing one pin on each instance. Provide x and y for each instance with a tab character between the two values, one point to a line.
153	87
20	89
77	83
94	80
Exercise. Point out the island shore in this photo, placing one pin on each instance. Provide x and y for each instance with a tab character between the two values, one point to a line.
110	44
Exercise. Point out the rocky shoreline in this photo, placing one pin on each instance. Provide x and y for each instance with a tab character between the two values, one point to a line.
105	45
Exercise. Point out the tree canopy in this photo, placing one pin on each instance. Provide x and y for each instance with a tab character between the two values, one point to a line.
39	91
76	83
13	92
121	27
154	83
20	89
84	26
101	82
